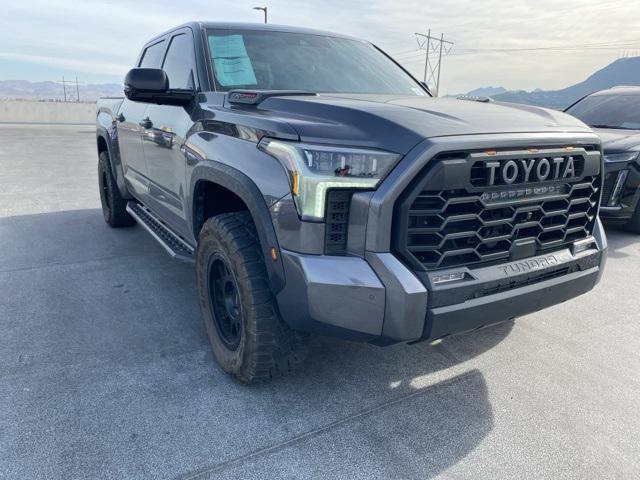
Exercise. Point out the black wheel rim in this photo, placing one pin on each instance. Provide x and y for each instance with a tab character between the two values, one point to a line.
104	192
225	302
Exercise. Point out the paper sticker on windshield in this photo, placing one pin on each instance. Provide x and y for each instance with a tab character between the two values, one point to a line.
227	46
231	64
234	71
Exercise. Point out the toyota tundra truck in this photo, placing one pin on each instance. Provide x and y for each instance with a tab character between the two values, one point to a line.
319	188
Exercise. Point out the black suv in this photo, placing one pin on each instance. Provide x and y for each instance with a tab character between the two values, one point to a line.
614	115
318	187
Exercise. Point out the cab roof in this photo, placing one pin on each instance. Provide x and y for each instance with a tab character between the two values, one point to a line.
252	26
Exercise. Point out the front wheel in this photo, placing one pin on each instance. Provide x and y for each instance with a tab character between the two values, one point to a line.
249	339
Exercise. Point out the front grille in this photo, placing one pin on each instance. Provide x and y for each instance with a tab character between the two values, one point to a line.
608	185
446	228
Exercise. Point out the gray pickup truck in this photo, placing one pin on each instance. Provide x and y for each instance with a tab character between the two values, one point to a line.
319	188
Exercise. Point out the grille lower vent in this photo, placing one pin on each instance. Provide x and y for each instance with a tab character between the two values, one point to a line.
338	202
523	283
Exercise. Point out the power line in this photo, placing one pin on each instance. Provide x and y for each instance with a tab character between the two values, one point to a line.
397	54
417	53
406	55
584	46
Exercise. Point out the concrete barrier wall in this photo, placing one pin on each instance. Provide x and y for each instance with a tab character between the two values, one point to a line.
19	111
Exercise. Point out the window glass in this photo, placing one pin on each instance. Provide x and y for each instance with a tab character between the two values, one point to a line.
268	60
614	111
152	57
178	64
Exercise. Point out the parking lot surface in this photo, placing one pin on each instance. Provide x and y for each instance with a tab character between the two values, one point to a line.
106	370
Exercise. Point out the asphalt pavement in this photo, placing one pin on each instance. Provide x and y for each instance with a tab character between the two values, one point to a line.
106	370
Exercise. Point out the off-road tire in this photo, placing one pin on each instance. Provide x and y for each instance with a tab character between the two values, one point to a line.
114	207
267	347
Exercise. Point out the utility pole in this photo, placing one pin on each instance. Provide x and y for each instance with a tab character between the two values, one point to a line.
64	89
264	9
437	46
77	91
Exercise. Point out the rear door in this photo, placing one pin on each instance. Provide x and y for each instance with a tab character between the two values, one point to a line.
168	126
132	120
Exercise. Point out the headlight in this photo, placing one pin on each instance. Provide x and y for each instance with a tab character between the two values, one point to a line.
621	157
314	169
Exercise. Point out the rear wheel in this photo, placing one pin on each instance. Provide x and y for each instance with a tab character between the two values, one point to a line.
114	207
249	339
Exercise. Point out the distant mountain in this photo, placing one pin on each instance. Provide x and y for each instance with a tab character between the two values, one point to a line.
25	90
624	71
486	91
481	92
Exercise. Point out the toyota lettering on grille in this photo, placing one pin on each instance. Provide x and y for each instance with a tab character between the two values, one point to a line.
527	170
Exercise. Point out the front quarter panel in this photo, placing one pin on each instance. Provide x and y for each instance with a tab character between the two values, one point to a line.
265	171
106	128
257	178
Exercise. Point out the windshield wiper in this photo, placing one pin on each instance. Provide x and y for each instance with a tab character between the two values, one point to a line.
617	127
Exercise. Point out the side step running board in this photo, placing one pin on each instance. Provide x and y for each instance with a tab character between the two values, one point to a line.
172	243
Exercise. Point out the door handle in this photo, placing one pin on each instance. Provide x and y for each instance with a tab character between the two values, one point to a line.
146	123
120	118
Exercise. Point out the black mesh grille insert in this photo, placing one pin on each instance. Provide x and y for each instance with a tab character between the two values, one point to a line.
451	228
338	202
488	206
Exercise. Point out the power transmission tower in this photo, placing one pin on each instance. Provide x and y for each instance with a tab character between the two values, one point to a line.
71	83
435	46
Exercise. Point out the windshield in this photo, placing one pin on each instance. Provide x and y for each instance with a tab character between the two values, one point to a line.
267	60
609	111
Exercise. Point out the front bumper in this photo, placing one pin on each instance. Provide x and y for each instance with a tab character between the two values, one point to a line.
619	207
378	299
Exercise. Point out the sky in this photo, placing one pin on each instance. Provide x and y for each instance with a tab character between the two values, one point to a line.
516	44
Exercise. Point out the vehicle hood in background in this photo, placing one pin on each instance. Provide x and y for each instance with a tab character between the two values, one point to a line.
618	140
399	123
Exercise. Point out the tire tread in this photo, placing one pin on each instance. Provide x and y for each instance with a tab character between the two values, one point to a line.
116	214
273	349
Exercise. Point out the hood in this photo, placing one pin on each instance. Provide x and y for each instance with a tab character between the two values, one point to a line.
614	140
399	123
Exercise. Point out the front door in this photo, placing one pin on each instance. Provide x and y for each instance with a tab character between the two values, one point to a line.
168	126
132	125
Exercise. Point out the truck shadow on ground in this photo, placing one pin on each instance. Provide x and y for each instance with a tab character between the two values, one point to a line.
118	325
619	239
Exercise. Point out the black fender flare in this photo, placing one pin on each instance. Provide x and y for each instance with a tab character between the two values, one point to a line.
114	160
240	184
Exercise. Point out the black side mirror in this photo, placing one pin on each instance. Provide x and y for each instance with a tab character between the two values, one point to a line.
140	81
151	85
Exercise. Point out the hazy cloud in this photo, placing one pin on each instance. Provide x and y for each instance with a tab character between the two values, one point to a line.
99	40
